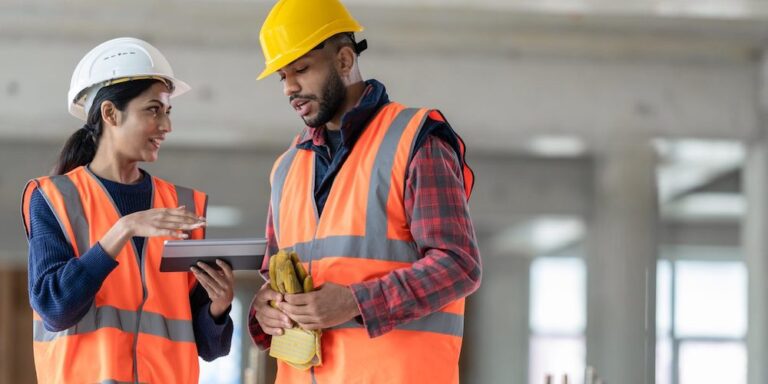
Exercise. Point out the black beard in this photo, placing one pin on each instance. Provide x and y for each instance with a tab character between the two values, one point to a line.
334	93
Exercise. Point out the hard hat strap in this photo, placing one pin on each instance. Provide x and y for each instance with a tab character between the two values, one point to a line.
361	46
358	47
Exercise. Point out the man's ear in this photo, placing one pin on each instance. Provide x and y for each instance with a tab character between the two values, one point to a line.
345	60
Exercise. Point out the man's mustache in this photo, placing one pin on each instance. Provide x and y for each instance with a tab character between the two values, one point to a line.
305	97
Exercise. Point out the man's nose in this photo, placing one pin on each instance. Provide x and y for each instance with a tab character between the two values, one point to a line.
290	86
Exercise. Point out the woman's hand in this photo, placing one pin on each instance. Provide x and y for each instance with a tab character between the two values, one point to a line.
220	285
170	222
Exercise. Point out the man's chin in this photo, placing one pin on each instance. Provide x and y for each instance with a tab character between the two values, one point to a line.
310	122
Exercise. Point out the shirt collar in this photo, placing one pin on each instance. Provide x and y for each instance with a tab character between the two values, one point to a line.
352	123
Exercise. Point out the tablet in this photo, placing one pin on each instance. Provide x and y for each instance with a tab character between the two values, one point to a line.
180	255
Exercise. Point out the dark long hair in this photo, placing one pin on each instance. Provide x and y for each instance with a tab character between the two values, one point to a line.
81	147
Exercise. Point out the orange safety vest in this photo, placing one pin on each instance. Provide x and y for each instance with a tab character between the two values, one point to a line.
363	234
139	327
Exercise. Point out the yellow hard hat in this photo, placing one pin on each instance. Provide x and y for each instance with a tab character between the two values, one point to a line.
294	27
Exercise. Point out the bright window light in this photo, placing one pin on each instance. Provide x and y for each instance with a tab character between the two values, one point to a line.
663	361
558	296
713	363
711	299
663	298
557	356
226	370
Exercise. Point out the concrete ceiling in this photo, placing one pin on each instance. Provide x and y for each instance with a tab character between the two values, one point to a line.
503	72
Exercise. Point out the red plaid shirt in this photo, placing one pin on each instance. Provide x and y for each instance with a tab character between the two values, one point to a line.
450	268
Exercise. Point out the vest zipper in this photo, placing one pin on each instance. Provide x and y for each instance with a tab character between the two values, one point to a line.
317	217
141	261
314	242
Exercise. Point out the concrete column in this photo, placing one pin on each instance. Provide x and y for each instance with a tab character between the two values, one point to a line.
258	367
755	241
495	348
621	262
755	248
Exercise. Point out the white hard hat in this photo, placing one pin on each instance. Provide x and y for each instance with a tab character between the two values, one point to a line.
117	60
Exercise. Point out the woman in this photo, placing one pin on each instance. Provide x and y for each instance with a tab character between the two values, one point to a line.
103	310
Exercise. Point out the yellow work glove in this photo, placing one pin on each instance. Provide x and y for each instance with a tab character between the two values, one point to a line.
298	347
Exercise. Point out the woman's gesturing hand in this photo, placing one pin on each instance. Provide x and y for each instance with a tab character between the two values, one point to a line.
162	222
170	222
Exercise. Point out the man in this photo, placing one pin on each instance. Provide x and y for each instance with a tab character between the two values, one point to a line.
373	196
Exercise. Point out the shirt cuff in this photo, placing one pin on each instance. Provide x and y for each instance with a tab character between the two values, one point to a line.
98	263
258	336
222	320
373	319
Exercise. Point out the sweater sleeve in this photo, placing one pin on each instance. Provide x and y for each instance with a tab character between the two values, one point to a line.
61	286
212	336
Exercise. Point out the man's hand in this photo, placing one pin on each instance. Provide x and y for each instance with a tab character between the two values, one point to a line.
272	321
329	305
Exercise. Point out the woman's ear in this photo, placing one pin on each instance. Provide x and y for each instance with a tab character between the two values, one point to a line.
109	114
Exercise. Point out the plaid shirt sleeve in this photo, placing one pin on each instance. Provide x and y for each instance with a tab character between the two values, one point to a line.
450	269
261	339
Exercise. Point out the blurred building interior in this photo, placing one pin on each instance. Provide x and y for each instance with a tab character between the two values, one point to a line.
620	152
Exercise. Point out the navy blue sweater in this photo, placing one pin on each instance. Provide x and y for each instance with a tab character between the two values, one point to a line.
62	286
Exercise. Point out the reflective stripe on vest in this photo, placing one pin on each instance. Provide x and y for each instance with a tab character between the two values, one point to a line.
75	210
359	247
148	338
126	321
280	172
439	322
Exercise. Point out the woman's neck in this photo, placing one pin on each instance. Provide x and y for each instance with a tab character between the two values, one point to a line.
109	166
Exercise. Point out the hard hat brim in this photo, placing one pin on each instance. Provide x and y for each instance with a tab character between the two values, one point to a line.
310	43
77	109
